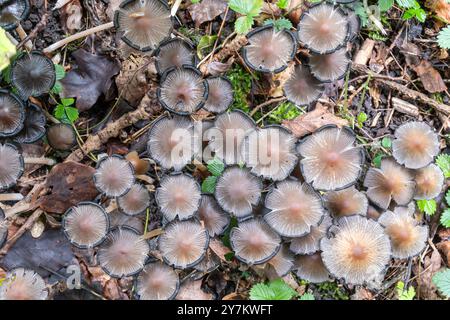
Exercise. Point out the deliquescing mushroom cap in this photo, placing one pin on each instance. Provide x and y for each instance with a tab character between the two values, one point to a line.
310	267
346	202
23	284
174	52
330	67
12	114
157	281
135	201
11	165
61	136
310	242
114	176
33	127
12	12
302	89
282	262
220	95
429	182
216	220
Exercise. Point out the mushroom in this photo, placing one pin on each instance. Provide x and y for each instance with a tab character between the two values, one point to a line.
416	145
302	88
237	191
220	94
23	284
123	253
12	12
358	250
183	243
3	228
212	215
282	262
157	281
346	202
373	213
391	181
209	263
61	136
143	23
329	158
330	67
310	267
114	176
429	182
33	74
178	196
254	242
295	208
323	28
310	242
12	114
174	52
182	90
135	201
269	50
140	166
34	125
86	225
354	24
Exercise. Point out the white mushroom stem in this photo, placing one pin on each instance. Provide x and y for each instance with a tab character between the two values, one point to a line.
11	197
41	160
175	7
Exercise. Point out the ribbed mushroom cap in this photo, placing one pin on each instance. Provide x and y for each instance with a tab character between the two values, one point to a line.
135	201
23	284
215	219
354	24
182	90
346	202
373	213
61	136
33	127
209	263
123	253
310	243
408	238
429	182
178	196
12	114
3	228
269	50
329	158
416	145
357	251
11	165
114	176
270	152
225	138
237	191
86	224
12	12
323	28
175	52
33	74
183	243
330	67
294	208
311	268
220	94
302	88
144	23
391	181
254	242
282	262
157	281
118	219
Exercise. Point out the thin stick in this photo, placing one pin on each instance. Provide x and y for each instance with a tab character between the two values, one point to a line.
175	7
42	160
267	103
11	197
219	33
23	36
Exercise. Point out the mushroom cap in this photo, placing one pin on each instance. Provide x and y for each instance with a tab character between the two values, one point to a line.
3	228
23	284
12	12
33	74
358	250
144	23
183	243
310	267
429	182
135	201
179	196
174	52
391	181
61	136
269	50
209	263
182	90
323	28
141	166
118	218
114	176
171	142
310	242
123	253
329	158
282	262
354	24
295	208
416	145
373	213
12	114
270	152
215	219
157	281
11	165
86	225
237	191
346	202
33	127
302	88
330	67
220	94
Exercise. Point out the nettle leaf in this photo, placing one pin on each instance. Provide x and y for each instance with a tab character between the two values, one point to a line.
443	160
283	4
445	218
442	282
385	5
246	7
307	296
215	166
279	24
209	184
243	24
427	206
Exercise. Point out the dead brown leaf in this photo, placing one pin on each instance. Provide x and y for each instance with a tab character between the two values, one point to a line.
191	290
219	248
73	15
441	8
432	264
207	10
362	294
295	11
444	247
431	79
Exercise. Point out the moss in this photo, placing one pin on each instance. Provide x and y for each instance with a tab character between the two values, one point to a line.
331	290
284	111
242	85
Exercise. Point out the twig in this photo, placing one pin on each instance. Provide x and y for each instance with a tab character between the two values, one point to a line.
220	32
23	36
41	24
267	103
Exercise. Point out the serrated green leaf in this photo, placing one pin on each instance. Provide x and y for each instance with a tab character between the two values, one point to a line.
57	88
405	294
261	291
385	5
386	142
209	184
243	24
60	72
377	160
246	7
59	112
443	161
283	4
442	282
361	118
445	218
443	38
66	102
281	290
307	296
406	4
361	13
204	43
447	197
72	114
427	206
419	14
279	24
216	167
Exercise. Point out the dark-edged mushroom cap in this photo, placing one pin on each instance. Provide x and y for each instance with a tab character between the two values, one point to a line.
373	213
86	224
310	242
311	268
33	74
209	263
135	201
323	28
61	136
416	145
118	218
329	158
294	208
12	114
182	90
269	50
237	191
157	281
282	262
429	182
354	24
215	219
23	284
12	12
114	176
33	127
175	52
330	67
3	228
302	88
11	165
358	250
143	23
254	242
390	181
220	95
123	253
183	243
346	202
179	196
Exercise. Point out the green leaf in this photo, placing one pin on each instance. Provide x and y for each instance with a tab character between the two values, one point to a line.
443	38
447	197
386	142
361	118
243	24
60	72
427	206
195	1
443	162
405	294
229	256
261	291
216	167
281	290
204	43
405	4
361	13
246	7
59	112
283	4
419	14
72	114
442	282
445	218
377	160
209	184
7	50
57	88
279	24
67	101
385	5
307	296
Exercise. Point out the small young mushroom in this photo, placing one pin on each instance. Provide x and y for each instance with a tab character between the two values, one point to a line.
346	202
220	94
135	201
302	88
61	136
310	243
330	67
33	127
212	215
310	267
3	228
114	176
174	52
157	281
416	145
23	284
429	182
12	114
12	12
282	262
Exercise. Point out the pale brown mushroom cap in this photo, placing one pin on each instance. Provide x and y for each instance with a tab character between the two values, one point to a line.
302	88
330	67
11	165
23	284
175	52
12	114
135	201
220	95
157	281
311	268
282	262
346	202
213	216
429	182
114	176
310	242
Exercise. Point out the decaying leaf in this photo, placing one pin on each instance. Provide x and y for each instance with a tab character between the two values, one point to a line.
295	11
441	8
207	10
444	247
216	68
73	15
219	248
430	77
191	290
426	288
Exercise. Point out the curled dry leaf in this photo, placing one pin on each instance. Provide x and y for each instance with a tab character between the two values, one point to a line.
191	290
426	287
431	79
73	15
207	10
219	248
